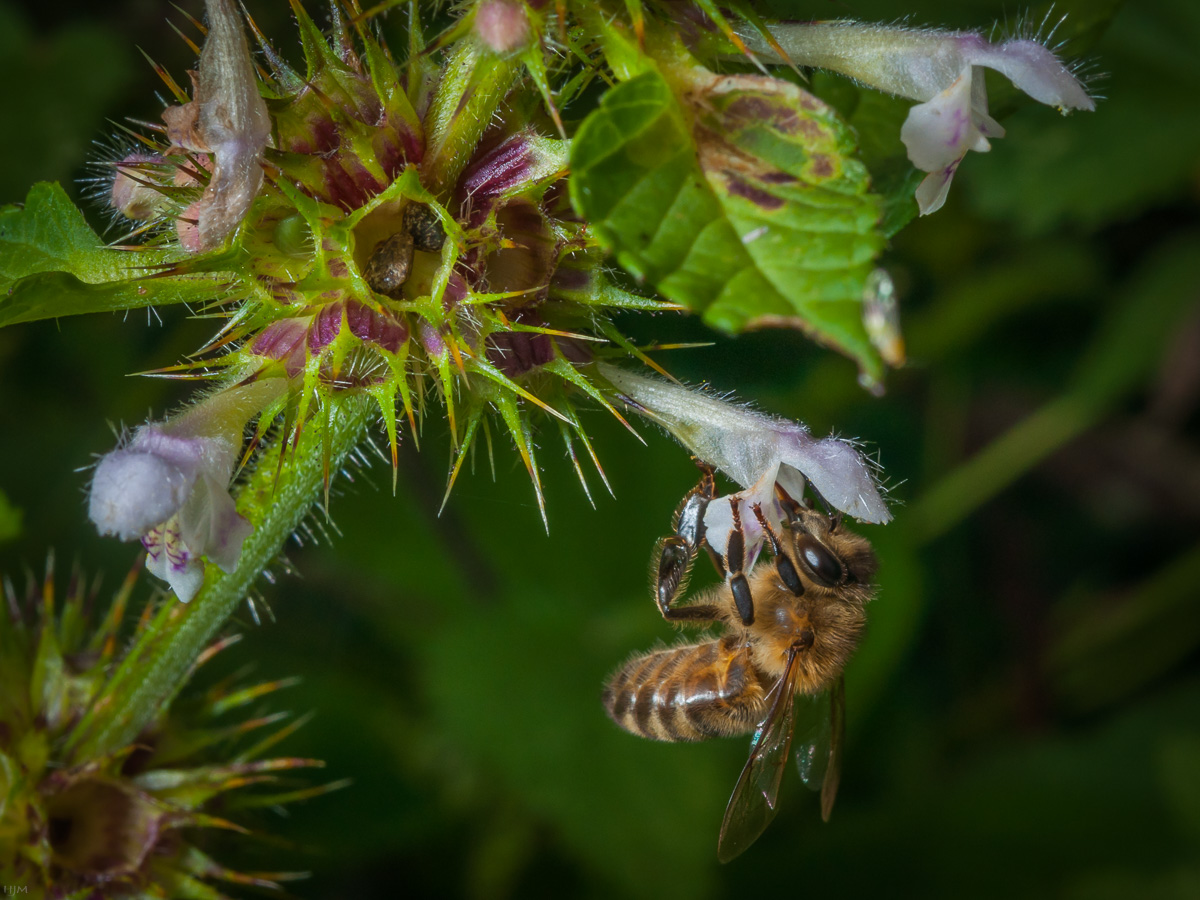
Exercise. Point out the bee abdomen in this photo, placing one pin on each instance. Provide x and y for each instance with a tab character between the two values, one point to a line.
686	693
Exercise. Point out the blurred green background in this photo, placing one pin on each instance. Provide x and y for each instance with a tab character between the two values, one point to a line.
1024	715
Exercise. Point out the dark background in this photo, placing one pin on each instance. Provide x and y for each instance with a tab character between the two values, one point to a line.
1024	715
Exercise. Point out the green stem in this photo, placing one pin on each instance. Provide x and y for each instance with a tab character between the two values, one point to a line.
474	82
163	657
1125	351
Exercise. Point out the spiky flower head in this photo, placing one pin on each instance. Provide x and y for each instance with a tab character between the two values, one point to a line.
117	825
376	236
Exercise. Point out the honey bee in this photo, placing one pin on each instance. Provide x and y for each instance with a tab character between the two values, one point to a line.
808	615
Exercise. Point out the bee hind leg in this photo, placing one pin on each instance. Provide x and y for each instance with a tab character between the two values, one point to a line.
674	555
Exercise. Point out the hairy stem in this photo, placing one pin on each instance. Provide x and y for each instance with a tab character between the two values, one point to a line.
160	663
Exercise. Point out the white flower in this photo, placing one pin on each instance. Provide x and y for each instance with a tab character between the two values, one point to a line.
762	453
169	487
941	69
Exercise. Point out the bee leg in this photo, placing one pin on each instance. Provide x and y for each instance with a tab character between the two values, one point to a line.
735	559
783	562
674	555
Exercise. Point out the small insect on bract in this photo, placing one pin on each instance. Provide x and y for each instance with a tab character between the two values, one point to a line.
808	615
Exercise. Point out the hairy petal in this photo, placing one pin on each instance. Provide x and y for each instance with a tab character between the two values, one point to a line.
920	63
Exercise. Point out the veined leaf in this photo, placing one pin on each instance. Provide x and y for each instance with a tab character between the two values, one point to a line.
52	264
743	203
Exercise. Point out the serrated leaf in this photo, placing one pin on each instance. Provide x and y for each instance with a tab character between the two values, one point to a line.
52	264
745	206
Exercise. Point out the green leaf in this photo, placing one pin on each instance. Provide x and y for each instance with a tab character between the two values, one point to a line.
877	119
745	206
52	264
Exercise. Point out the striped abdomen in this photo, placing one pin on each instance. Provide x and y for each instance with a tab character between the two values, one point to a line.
688	693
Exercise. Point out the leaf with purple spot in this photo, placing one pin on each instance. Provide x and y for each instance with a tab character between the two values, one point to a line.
737	196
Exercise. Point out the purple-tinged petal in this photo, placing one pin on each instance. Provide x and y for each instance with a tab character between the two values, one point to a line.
1035	70
932	191
718	517
941	131
838	472
170	560
169	485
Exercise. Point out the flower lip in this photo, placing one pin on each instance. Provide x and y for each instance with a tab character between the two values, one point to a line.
133	490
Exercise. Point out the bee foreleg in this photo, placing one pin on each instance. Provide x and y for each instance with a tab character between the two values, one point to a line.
735	560
783	563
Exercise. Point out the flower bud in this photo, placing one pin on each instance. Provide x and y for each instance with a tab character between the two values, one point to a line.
503	25
130	195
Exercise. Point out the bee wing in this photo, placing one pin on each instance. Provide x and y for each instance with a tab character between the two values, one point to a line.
819	754
752	804
837	740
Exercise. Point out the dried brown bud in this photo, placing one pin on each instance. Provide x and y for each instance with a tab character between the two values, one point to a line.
227	118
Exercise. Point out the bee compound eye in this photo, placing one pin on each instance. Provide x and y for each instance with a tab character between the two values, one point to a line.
822	566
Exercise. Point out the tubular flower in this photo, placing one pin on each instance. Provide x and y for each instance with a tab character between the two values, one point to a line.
941	69
771	458
115	825
169	486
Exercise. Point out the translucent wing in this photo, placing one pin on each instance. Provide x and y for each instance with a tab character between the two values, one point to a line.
819	752
752	804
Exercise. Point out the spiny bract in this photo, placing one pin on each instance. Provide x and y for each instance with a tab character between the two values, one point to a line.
117	825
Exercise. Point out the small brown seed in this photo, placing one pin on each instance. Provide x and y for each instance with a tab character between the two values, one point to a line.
388	267
425	227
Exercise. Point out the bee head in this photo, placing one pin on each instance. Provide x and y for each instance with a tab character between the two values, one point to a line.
829	555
